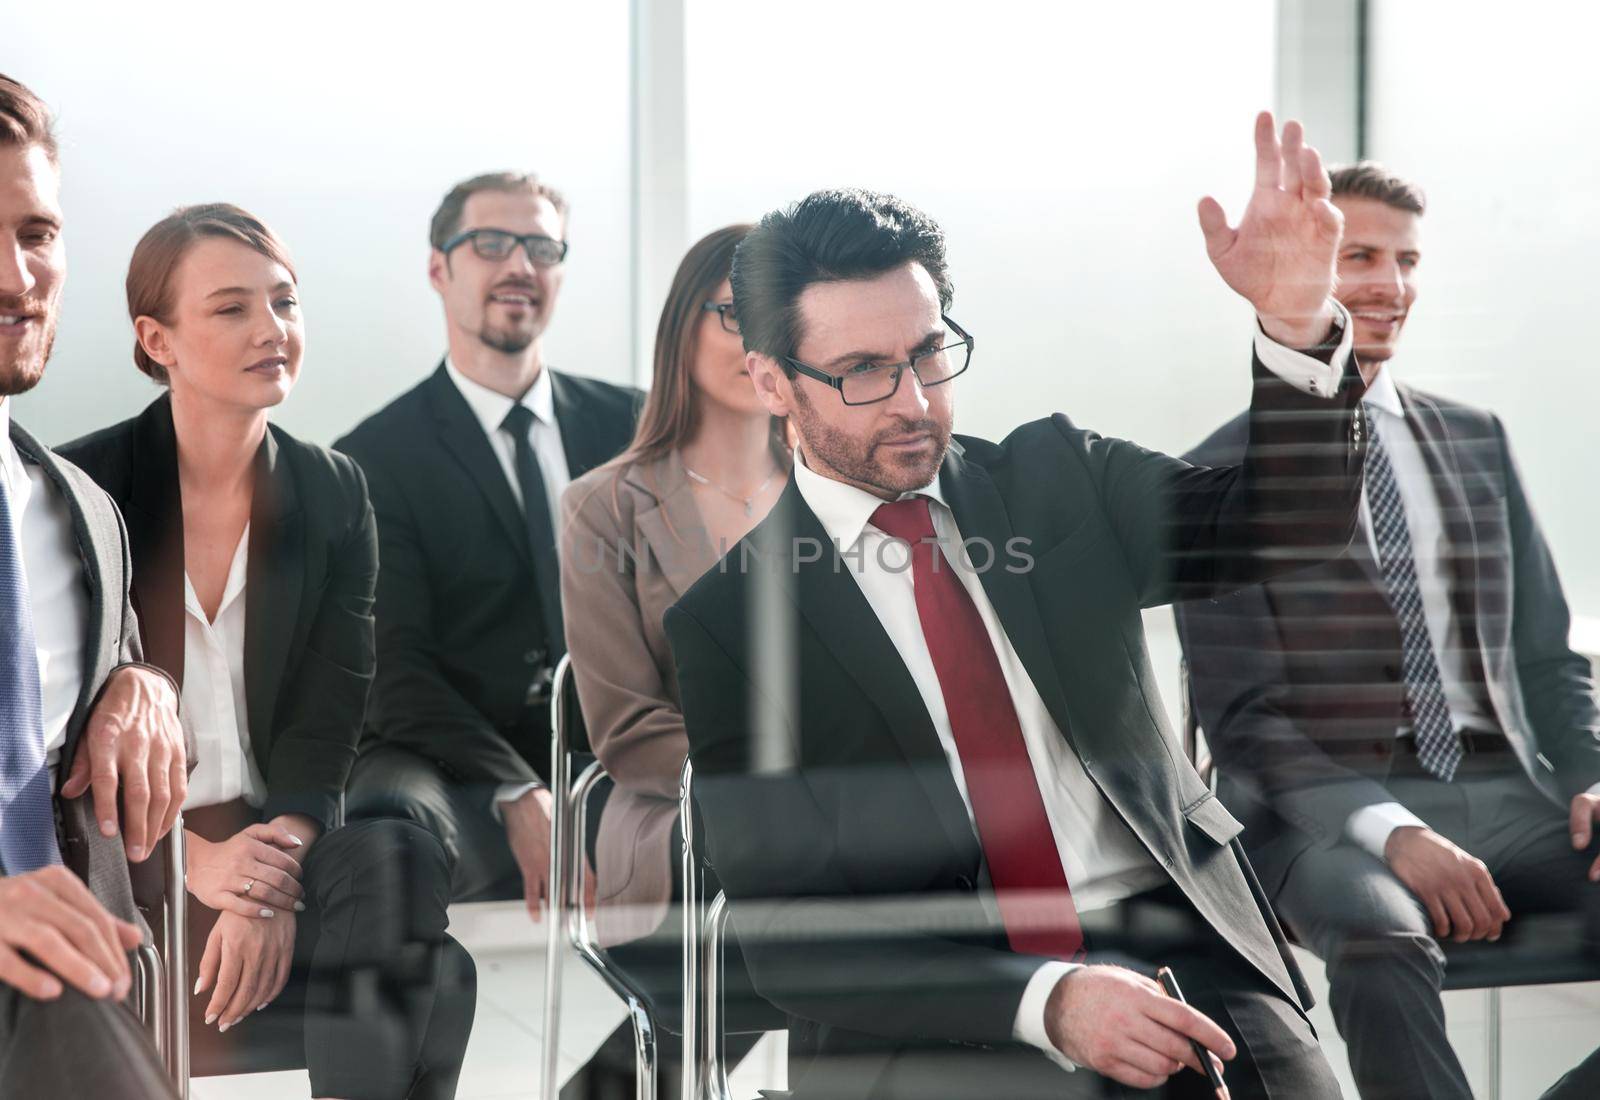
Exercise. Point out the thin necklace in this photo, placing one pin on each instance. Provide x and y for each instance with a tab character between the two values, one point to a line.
749	502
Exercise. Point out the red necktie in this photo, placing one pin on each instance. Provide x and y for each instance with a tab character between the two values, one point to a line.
1024	862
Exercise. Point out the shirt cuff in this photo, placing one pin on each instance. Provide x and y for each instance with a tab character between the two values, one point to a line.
1029	1025
1307	373
509	792
1370	826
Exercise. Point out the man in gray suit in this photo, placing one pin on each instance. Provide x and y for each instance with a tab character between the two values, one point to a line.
1405	730
83	725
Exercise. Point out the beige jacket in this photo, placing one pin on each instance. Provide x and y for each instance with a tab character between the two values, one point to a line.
614	602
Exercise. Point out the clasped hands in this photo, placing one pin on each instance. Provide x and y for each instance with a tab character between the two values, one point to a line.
253	879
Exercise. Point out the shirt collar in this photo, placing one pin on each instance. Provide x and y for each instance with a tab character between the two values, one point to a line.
844	510
1382	393
491	408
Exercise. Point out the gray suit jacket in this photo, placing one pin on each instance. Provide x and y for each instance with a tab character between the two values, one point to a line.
1297	681
111	641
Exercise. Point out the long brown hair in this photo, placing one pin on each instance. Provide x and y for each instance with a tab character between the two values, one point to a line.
158	253
671	414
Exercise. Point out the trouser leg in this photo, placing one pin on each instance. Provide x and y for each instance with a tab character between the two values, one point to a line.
393	782
383	1008
74	1046
1385	972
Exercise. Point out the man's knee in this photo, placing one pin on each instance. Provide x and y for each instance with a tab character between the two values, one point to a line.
394	863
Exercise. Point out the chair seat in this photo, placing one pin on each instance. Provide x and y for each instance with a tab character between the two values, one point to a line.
1539	949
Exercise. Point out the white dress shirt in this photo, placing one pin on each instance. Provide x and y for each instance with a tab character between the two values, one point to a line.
1104	861
1371	826
491	408
545	434
214	708
57	588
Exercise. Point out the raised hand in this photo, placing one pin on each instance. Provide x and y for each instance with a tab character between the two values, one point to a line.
1281	256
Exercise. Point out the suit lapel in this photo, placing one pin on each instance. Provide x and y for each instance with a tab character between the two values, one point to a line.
95	552
462	435
981	514
1444	470
155	537
673	529
275	584
832	603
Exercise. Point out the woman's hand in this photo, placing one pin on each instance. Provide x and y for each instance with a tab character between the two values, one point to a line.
253	869
246	964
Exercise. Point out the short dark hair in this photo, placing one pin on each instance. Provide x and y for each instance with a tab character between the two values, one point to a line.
1368	179
826	237
447	219
24	119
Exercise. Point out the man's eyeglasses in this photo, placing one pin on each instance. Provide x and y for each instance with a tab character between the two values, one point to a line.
725	314
496	245
869	383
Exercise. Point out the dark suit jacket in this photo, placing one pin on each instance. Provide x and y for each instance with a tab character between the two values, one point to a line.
111	641
833	819
313	564
1297	682
460	632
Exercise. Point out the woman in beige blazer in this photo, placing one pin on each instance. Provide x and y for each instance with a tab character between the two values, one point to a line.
705	465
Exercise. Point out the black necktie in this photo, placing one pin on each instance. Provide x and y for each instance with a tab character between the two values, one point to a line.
541	531
27	819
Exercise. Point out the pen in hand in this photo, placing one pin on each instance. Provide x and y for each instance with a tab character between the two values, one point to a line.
1169	985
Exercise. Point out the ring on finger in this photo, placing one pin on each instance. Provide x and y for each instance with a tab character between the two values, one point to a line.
249	884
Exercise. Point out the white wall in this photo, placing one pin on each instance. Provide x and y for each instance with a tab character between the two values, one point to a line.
1063	147
342	126
1495	112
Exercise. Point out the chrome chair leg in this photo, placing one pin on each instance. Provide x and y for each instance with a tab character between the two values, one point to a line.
1492	1037
644	1047
716	1071
175	937
693	1030
559	902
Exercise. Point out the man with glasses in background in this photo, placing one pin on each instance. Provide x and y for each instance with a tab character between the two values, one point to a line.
935	779
465	472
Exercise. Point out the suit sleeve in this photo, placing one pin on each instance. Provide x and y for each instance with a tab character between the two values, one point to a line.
314	745
1190	532
1237	678
814	947
1557	683
414	704
635	727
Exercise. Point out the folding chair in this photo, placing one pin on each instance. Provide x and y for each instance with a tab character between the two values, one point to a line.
160	999
568	920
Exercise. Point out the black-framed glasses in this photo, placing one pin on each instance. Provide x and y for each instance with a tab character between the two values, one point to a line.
496	245
869	383
725	313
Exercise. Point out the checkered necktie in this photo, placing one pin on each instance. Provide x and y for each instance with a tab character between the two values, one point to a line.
1438	746
27	820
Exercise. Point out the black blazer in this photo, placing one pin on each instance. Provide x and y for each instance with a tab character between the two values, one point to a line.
460	634
313	566
1297	682
857	884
